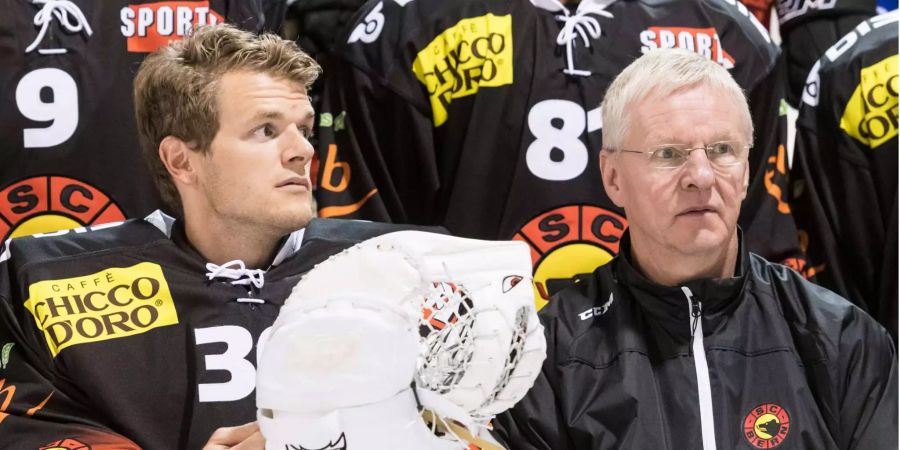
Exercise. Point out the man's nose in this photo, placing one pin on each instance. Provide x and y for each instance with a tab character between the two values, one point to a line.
698	171
297	148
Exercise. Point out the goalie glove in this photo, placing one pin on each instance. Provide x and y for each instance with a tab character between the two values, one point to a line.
454	316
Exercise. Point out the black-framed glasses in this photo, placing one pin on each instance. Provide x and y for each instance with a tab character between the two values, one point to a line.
673	156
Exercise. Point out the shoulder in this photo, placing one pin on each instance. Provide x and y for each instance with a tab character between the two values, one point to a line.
355	231
814	312
385	33
583	322
82	241
723	30
872	43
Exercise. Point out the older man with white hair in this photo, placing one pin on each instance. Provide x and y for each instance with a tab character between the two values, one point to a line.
686	340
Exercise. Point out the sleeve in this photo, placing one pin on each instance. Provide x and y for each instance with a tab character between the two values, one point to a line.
537	421
812	198
844	193
375	151
868	369
765	214
39	407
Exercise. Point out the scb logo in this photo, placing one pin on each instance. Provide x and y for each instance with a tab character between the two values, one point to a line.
568	241
50	203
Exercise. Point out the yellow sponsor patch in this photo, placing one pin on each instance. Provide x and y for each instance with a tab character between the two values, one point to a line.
475	52
110	304
871	114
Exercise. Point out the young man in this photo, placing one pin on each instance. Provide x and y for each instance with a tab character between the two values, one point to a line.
686	339
144	334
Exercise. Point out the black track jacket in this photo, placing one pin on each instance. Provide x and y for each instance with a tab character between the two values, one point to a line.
790	365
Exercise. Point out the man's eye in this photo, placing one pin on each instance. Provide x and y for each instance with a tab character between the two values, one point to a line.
265	131
307	132
721	148
665	153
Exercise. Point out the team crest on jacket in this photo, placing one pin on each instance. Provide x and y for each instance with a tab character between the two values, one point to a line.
767	425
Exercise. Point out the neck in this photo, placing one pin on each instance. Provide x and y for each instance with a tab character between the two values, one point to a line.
668	267
221	242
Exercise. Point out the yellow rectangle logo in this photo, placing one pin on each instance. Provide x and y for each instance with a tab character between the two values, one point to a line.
110	304
475	52
871	113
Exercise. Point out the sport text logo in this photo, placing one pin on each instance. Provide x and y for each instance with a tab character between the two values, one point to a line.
109	304
150	26
475	52
703	41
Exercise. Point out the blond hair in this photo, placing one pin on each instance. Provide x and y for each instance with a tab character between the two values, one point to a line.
660	73
176	88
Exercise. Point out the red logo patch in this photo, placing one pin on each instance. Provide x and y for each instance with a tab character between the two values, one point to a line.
44	204
767	425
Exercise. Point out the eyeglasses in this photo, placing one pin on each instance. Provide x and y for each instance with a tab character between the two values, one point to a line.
673	156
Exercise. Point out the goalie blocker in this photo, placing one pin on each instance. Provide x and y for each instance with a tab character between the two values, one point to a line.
400	327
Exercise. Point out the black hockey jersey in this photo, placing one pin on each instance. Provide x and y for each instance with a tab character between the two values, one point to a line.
116	337
845	168
484	117
69	154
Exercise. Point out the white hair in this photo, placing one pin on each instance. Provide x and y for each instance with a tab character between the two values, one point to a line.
660	73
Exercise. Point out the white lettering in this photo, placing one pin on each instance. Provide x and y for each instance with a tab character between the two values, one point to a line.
183	20
165	21
127	17
648	40
145	19
243	375
239	343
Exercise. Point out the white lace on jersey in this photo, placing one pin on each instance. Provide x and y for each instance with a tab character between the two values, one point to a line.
239	275
67	14
576	25
235	270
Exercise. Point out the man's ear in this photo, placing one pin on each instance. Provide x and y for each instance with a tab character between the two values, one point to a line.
176	155
609	173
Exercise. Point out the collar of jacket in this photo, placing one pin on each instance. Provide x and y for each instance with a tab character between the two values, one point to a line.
287	246
668	303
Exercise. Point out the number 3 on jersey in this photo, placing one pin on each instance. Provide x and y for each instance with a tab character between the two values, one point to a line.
238	344
558	153
48	95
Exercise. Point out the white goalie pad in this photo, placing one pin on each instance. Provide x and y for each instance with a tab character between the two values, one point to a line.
454	317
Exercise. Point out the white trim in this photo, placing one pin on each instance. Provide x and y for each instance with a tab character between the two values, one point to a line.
291	246
704	389
161	221
5	254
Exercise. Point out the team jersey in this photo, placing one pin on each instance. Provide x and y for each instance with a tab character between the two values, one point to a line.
69	154
845	168
484	117
124	336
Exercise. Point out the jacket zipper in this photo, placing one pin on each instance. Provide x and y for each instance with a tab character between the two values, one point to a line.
704	389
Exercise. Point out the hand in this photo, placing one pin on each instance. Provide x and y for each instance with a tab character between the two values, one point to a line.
243	437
